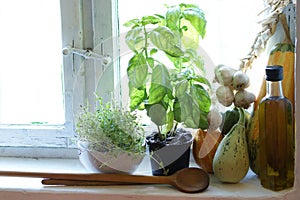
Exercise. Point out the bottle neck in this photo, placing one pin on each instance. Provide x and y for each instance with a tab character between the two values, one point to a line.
274	88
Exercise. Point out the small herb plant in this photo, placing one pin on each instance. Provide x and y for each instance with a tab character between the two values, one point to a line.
111	127
166	74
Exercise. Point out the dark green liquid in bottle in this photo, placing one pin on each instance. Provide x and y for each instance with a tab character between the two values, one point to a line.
276	143
276	139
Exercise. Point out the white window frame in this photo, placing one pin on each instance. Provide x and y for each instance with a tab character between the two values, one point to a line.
86	25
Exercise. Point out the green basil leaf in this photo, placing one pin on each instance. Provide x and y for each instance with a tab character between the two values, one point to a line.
156	93
132	22
203	123
137	70
191	114
201	96
172	17
150	62
190	36
158	113
160	84
197	18
135	39
177	111
190	123
199	118
164	39
153	51
181	88
170	121
137	97
188	110
192	58
183	107
201	79
150	20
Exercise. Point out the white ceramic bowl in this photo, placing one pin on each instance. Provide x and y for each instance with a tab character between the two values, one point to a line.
108	162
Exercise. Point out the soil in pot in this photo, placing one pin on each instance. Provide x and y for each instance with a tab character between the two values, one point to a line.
170	155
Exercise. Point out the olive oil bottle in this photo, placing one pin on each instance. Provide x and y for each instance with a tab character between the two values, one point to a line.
276	134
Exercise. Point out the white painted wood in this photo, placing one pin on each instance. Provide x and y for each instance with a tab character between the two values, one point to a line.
105	26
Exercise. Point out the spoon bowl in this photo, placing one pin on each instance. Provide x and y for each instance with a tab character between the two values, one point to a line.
191	180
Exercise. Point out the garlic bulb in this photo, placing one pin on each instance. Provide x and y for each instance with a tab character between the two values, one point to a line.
224	75
240	80
243	99
225	95
214	119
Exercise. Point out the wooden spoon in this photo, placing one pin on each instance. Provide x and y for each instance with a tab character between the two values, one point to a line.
186	180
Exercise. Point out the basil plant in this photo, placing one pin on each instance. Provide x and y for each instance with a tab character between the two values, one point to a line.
166	73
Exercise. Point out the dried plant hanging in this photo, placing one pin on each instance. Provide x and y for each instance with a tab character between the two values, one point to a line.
272	11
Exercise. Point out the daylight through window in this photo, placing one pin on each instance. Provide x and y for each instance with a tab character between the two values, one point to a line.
31	63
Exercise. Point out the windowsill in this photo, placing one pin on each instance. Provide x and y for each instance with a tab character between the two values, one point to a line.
25	188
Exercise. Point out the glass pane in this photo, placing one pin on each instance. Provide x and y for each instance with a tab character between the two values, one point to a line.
31	62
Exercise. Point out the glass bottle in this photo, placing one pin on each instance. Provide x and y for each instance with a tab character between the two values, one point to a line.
276	134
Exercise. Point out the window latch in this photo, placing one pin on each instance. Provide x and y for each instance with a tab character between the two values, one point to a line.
87	54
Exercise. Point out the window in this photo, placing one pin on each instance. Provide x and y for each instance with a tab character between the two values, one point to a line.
41	89
33	87
31	64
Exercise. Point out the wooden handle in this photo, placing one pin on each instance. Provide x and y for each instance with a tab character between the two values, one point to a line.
66	182
92	177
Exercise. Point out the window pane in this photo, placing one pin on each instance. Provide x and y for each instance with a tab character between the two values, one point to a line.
31	62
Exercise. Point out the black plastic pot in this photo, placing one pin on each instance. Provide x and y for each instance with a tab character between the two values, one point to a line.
167	157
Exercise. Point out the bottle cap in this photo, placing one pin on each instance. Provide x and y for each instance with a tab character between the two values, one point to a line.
274	73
